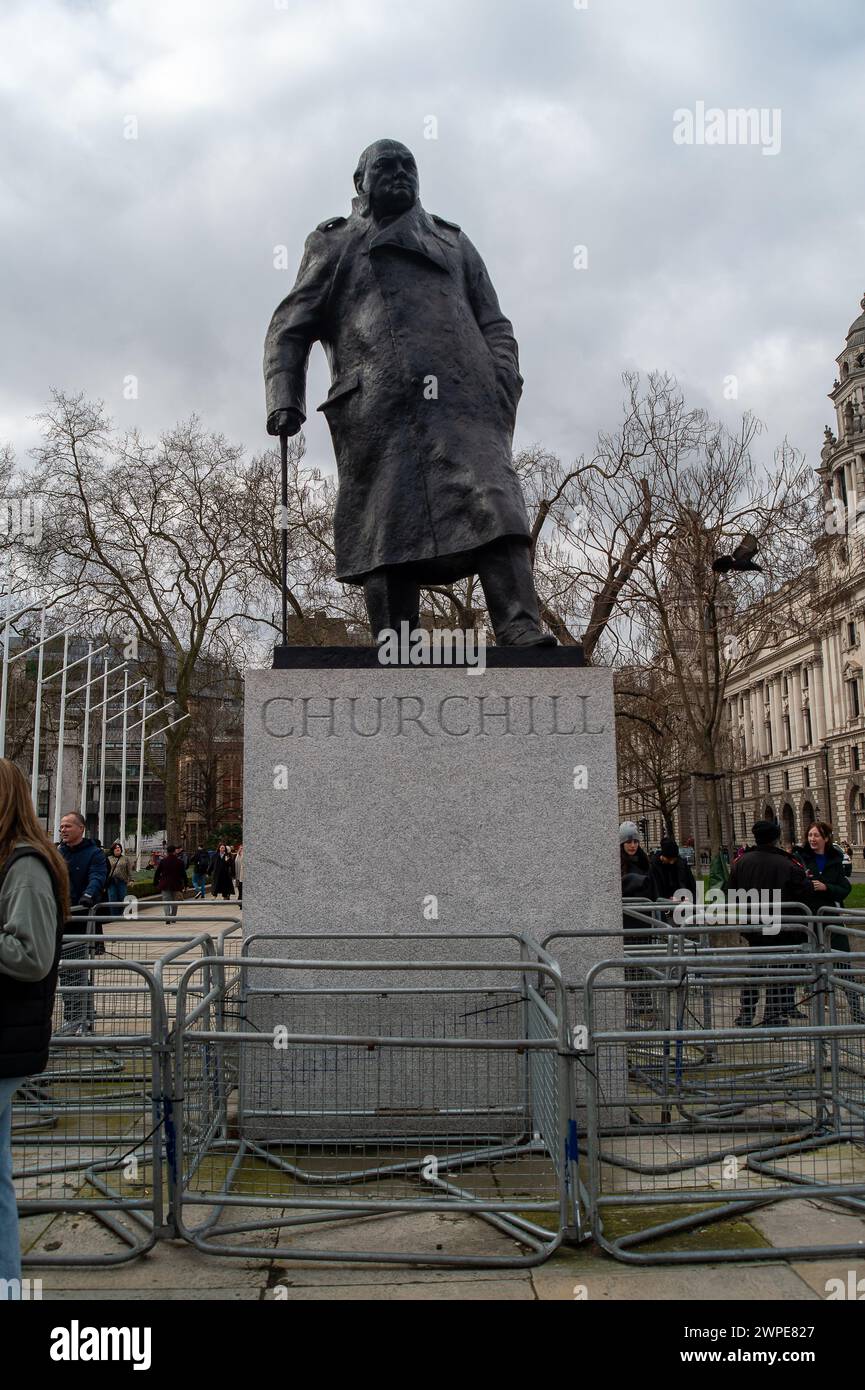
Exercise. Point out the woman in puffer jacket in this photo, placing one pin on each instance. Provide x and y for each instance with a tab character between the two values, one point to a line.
34	903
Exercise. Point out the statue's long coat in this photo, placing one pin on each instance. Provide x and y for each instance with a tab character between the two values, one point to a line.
425	386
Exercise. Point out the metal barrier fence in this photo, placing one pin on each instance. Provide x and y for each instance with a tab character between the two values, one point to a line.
715	1118
716	1074
89	1133
357	1097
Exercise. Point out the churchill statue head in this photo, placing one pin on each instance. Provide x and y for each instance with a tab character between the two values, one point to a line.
386	179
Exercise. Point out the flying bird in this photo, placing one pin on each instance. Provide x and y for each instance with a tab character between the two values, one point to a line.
741	559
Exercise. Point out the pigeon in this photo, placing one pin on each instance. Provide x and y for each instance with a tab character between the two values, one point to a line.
741	559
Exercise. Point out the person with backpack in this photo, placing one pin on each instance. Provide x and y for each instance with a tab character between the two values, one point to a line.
170	877
34	903
200	870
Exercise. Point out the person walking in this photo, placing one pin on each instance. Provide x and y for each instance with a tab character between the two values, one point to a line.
223	873
119	878
238	872
34	903
87	868
170	878
769	869
637	882
200	870
824	864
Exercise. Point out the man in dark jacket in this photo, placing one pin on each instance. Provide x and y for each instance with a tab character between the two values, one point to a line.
88	876
670	871
170	877
86	862
421	409
767	868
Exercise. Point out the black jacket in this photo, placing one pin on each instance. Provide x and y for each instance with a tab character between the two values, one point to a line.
669	878
768	868
26	1006
834	874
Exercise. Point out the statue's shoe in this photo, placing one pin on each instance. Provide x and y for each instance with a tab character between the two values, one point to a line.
531	637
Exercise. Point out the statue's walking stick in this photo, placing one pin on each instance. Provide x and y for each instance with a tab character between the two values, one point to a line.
283	451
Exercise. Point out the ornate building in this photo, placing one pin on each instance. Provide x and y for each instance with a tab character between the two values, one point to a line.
797	714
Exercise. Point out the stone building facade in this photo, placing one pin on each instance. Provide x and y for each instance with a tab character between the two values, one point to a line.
797	709
795	735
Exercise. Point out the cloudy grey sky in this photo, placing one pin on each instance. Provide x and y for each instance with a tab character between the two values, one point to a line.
154	256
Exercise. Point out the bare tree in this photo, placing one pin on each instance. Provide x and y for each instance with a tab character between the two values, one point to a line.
143	534
653	739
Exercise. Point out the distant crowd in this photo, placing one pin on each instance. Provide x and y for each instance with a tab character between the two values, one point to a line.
102	877
815	875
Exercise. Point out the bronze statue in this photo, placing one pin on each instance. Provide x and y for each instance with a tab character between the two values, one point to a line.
421	411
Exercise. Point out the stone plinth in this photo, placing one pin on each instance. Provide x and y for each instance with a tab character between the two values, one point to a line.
426	800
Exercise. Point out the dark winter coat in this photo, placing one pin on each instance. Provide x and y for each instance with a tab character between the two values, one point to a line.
425	386
170	875
767	868
26	1005
88	870
669	878
223	874
837	883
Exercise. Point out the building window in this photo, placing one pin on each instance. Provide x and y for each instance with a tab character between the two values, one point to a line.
853	699
807	776
784	686
768	783
786	781
805	677
769	747
786	733
742	791
851	634
854	757
809	738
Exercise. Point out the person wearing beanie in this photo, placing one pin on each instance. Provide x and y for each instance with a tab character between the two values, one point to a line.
637	882
670	872
634	864
767	868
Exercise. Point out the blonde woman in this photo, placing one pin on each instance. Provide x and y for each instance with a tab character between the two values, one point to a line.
238	872
34	902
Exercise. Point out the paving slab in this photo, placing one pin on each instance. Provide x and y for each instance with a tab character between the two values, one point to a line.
159	1295
492	1290
800	1221
606	1282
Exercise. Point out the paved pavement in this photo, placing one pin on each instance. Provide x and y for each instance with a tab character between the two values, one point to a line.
174	1270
